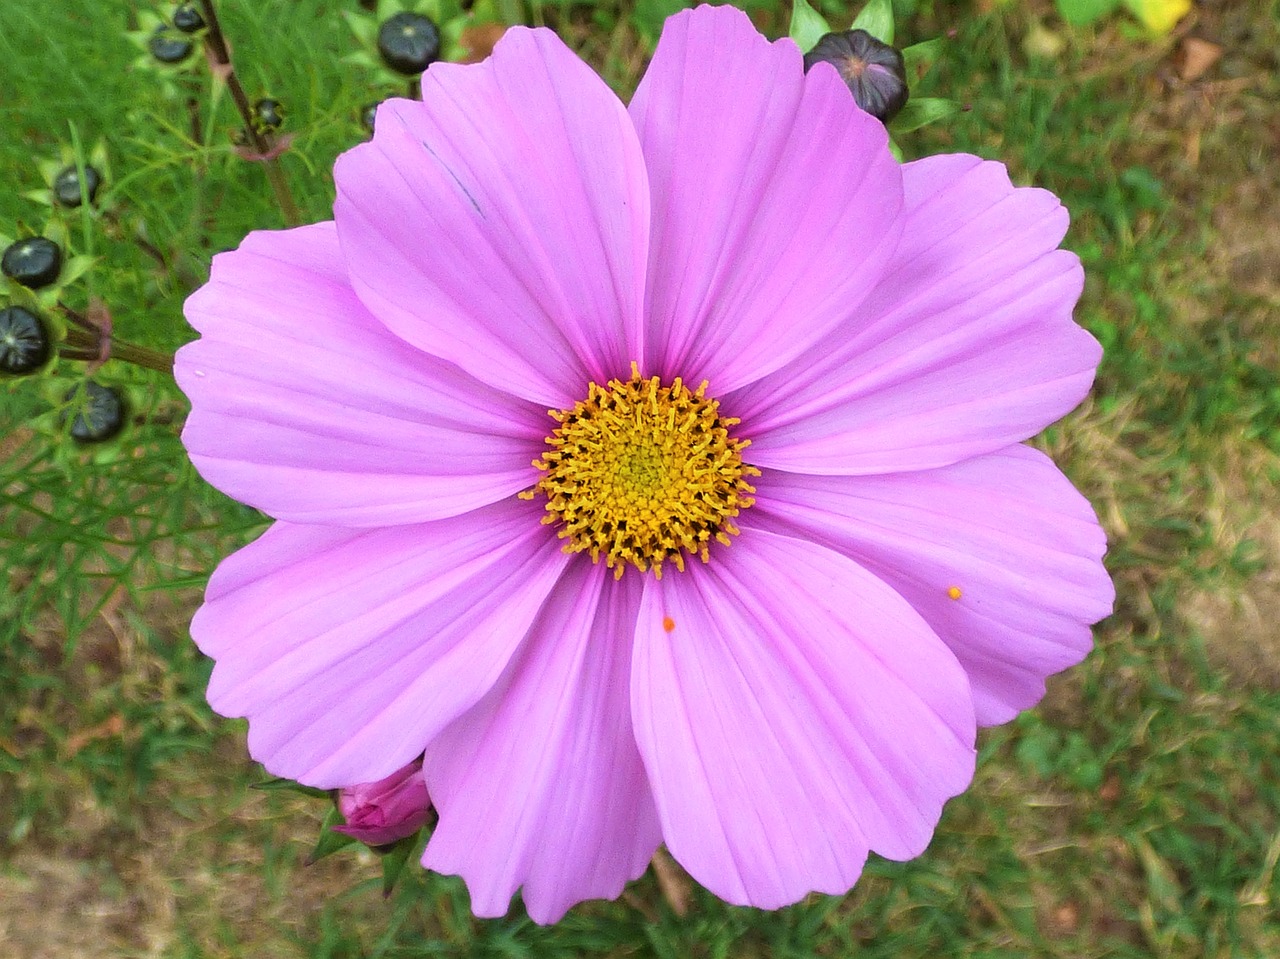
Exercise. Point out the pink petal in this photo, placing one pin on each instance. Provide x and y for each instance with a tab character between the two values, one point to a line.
541	783
348	650
793	712
966	346
775	200
502	223
1007	530
306	407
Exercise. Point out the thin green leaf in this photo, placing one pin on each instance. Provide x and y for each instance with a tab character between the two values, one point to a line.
288	785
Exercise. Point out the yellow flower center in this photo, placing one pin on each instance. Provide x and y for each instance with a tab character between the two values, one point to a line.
643	473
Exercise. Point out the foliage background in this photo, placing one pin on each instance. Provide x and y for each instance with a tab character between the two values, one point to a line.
1136	812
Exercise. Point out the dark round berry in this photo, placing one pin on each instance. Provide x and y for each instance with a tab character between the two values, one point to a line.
187	18
268	115
66	185
409	42
34	262
99	412
24	342
168	47
874	71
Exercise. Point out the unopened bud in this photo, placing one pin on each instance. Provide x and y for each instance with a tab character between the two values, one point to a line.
873	70
379	813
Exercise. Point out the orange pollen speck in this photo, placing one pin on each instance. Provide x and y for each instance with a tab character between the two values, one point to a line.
642	474
668	624
954	592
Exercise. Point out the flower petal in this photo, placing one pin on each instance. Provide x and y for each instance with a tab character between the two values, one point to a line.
541	783
306	407
965	347
775	200
502	223
793	712
348	650
1007	532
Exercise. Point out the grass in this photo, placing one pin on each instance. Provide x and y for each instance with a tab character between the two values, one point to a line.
1135	813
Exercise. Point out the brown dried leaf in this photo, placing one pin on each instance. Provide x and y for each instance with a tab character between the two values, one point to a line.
1196	56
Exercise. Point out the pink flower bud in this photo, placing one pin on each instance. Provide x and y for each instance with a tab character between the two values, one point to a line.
389	809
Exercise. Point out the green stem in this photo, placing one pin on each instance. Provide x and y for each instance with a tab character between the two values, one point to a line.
86	344
222	56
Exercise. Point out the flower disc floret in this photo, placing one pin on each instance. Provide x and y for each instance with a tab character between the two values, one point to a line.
643	473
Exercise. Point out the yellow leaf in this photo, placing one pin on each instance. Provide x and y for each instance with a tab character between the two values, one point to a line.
1159	16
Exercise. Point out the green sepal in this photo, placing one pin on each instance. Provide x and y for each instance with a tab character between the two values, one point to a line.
330	841
877	19
448	15
45	300
808	26
277	784
50	168
921	111
394	857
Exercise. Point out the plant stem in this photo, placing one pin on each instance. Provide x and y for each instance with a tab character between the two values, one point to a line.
217	45
85	341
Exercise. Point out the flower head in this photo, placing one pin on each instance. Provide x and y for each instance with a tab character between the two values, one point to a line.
875	72
653	471
392	808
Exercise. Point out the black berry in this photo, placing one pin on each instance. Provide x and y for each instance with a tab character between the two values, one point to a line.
187	18
66	185
34	262
100	412
24	341
409	42
168	47
268	115
873	70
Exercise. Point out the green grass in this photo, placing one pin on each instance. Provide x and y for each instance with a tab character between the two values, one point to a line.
1135	813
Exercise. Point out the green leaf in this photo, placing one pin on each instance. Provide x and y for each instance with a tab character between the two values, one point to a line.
877	19
1079	12
921	111
807	25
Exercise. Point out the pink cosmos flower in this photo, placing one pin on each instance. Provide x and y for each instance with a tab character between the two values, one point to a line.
758	619
392	808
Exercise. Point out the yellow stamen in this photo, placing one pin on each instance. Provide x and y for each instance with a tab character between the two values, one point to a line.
643	474
953	592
